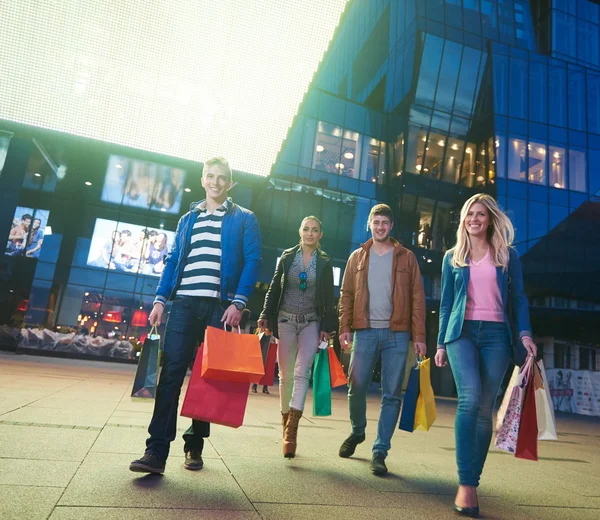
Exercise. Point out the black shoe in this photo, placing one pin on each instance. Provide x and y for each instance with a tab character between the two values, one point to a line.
265	390
149	463
253	389
467	511
378	466
349	445
193	460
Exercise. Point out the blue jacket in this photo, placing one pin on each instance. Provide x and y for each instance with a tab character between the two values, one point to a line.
453	302
240	259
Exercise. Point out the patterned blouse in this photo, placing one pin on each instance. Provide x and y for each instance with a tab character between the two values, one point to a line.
296	301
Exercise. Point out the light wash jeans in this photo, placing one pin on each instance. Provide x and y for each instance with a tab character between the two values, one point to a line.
298	343
479	359
367	346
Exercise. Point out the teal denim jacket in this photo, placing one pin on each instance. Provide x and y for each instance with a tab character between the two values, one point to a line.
453	302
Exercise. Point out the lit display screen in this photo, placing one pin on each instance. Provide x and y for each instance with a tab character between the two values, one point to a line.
143	184
27	232
186	78
128	248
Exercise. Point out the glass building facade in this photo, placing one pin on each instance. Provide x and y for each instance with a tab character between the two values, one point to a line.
416	103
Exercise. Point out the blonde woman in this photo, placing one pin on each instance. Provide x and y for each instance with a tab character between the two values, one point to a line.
299	311
480	275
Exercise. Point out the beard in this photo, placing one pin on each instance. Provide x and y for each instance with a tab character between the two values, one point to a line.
381	238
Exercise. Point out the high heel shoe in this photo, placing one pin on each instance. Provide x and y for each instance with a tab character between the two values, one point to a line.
467	511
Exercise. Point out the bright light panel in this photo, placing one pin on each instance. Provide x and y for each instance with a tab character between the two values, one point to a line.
187	78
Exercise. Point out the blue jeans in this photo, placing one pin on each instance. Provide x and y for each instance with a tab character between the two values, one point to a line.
479	359
187	322
368	345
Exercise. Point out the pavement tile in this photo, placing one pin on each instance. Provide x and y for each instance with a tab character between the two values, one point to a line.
45	443
121	513
133	442
31	414
30	503
104	480
35	472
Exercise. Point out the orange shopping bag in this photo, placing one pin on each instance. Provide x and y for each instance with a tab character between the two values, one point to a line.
336	372
229	356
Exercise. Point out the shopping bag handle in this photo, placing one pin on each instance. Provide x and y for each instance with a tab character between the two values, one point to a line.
225	328
153	331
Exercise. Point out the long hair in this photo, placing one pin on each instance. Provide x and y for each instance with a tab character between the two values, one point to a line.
311	217
500	233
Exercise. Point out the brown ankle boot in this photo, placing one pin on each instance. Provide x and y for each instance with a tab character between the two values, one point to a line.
290	433
284	420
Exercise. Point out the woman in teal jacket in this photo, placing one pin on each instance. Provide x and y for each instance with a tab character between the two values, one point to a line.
481	276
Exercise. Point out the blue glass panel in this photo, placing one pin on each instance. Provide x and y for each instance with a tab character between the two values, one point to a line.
501	199
568	6
454	13
576	200
44	270
430	66
88	277
489	19
517	127
577	138
558	197
331	109
517	212
501	188
324	180
558	135
51	248
459	126
501	156
538	219
538	193
290	151
593	141
147	284
517	190
474	41
538	131
444	98
303	173
349	185
557	215
557	79
355	117
564	34
472	16
456	35
367	189
588	10
310	105
593	95
518	88
538	92
506	21
501	124
466	90
594	161
588	35
123	282
524	24
577	100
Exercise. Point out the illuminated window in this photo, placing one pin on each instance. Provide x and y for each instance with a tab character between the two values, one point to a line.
537	163
516	159
577	170
328	148
434	154
557	167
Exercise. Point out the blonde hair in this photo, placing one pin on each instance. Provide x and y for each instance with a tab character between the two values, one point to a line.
221	162
311	217
500	233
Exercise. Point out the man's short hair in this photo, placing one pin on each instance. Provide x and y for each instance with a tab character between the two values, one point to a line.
26	216
221	162
383	210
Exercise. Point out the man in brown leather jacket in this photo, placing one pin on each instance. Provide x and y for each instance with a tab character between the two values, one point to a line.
383	302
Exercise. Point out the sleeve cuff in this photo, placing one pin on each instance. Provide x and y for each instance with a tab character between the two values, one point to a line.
161	300
240	298
525	334
441	347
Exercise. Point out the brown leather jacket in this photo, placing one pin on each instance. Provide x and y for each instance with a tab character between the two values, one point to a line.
408	296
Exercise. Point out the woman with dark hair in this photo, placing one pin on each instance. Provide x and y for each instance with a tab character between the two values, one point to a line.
481	274
299	311
35	240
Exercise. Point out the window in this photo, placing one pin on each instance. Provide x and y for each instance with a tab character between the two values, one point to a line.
434	154
558	174
538	92
469	166
501	156
375	160
328	148
414	151
562	355
577	170
453	160
399	155
537	163
587	358
516	159
577	99
350	154
557	80
424	236
518	88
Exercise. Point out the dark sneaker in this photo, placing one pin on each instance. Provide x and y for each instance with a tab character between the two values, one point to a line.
254	387
149	463
349	445
193	460
378	466
265	390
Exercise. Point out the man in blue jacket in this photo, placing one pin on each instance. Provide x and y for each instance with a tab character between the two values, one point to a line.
209	274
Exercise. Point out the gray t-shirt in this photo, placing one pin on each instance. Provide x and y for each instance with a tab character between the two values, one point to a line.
380	289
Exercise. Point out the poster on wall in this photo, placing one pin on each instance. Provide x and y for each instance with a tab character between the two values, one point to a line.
26	234
142	184
4	142
575	391
129	248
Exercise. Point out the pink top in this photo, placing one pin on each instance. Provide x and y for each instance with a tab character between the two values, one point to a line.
483	295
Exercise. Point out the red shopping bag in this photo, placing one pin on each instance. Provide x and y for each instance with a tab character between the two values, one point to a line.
336	372
218	402
229	356
528	429
269	378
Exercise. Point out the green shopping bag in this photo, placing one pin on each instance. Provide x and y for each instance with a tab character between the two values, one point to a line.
321	384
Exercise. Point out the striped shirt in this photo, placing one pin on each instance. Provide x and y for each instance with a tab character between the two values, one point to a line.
202	273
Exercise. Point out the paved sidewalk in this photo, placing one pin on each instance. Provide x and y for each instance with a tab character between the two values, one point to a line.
68	430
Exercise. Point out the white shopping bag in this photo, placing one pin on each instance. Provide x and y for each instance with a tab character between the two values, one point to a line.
502	410
544	408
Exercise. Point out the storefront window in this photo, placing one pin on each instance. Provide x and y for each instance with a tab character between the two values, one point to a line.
424	237
469	167
480	162
500	156
414	151
491	160
558	175
434	155
516	159
577	170
398	155
537	163
375	160
350	154
328	148
453	160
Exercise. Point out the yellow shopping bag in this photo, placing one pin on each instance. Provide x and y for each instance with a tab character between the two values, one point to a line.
425	412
